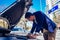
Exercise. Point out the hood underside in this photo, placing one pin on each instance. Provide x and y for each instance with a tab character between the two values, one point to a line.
14	14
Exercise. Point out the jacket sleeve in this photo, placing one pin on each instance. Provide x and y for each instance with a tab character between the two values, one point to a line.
33	27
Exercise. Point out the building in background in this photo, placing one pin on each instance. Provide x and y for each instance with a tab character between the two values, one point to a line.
53	6
57	14
49	5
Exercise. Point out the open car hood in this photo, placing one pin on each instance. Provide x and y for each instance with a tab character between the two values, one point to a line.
14	13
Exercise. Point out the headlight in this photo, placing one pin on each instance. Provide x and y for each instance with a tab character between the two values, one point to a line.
4	23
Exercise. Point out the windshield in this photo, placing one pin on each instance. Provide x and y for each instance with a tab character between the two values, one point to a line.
5	3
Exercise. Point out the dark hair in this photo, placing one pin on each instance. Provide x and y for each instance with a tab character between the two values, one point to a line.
28	14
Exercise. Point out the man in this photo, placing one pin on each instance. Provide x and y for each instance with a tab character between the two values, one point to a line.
41	23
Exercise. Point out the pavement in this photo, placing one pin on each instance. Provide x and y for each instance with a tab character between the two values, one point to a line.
38	38
57	36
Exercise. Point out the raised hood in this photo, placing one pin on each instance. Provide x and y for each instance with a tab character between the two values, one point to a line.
14	13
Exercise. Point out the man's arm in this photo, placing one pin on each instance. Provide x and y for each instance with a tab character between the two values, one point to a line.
33	28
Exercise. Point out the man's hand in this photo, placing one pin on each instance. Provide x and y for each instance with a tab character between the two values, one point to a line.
31	36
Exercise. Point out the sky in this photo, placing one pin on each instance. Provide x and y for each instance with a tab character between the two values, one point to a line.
37	5
5	3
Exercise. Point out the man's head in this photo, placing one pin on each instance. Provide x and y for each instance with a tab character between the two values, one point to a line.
29	16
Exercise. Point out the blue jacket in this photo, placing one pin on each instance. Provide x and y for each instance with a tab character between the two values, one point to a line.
42	22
